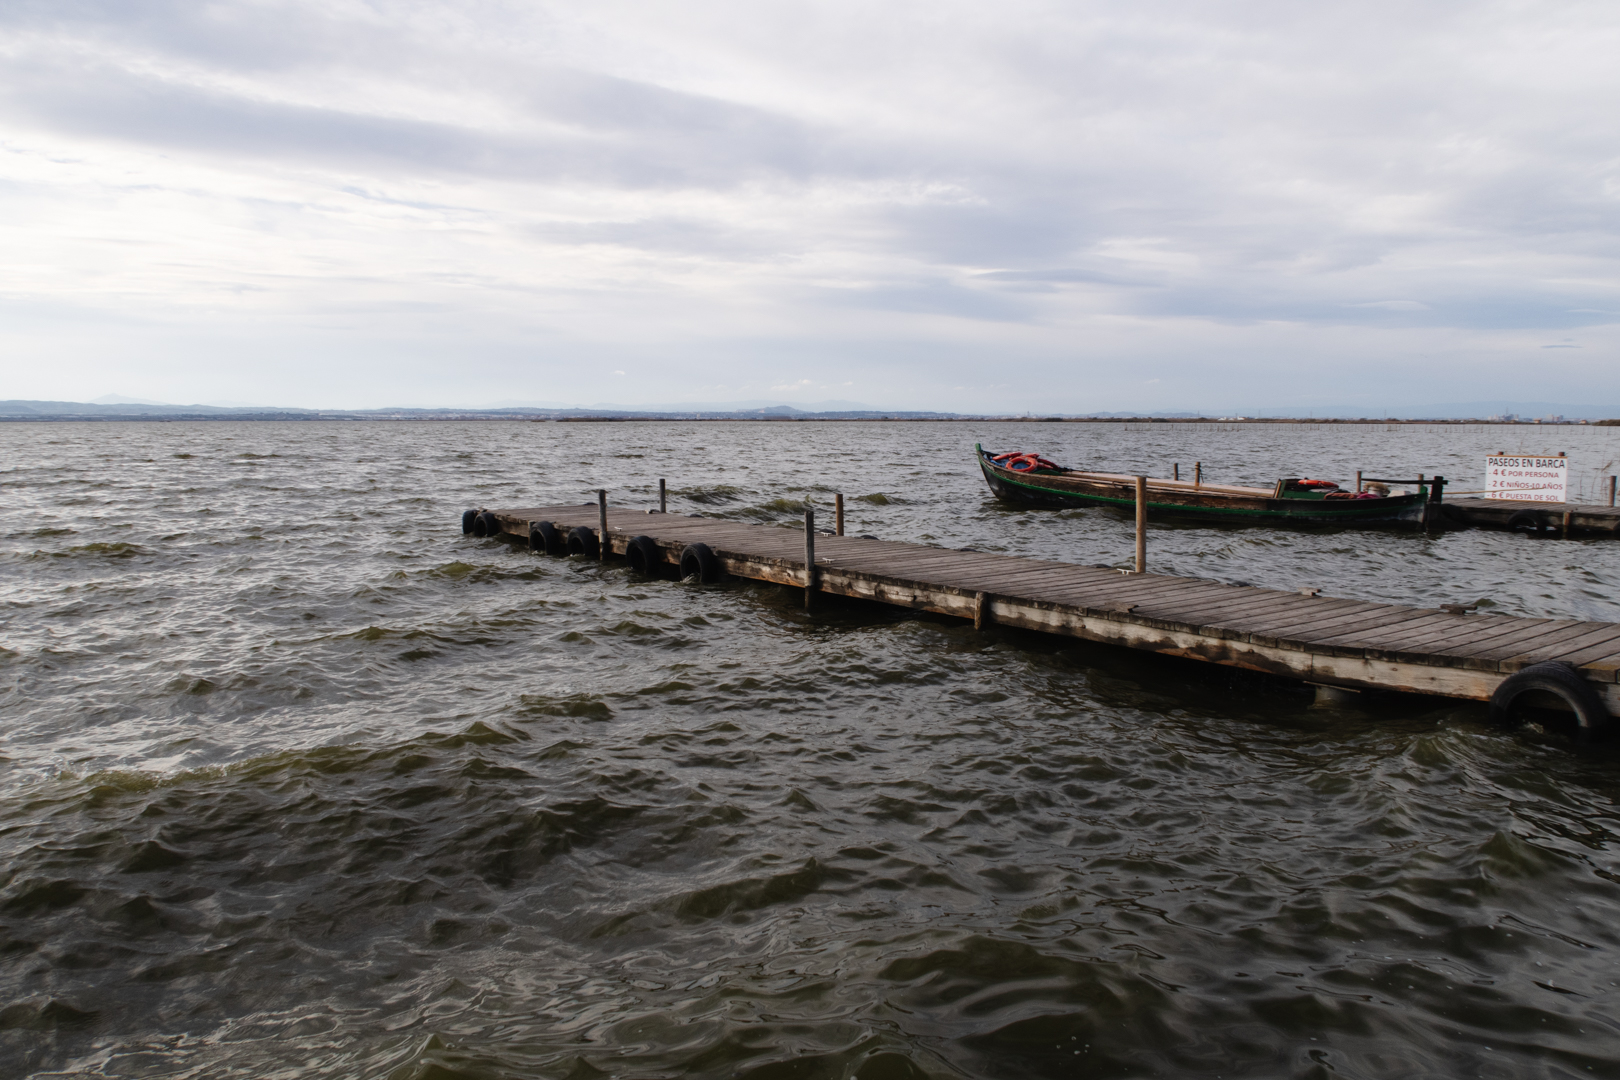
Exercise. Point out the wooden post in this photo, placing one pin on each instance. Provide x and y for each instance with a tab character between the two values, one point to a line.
1612	480
1198	473
809	556
1141	524
1359	488
838	514
1569	520
1432	512
662	494
981	610
1175	471
601	520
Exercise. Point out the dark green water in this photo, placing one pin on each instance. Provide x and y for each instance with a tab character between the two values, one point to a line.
300	781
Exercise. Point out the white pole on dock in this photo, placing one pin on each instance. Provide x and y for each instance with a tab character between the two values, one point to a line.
601	521
1141	524
809	556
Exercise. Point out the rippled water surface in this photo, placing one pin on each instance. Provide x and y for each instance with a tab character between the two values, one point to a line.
300	781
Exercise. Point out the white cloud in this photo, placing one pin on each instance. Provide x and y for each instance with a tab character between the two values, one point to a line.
476	200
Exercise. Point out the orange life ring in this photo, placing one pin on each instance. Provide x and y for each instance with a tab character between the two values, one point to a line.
1022	462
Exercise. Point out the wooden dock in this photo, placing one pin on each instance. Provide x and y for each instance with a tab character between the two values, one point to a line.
1323	640
1574	519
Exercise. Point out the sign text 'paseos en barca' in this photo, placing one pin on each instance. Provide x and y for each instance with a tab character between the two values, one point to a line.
1528	479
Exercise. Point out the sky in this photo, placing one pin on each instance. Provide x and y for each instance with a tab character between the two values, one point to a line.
1207	205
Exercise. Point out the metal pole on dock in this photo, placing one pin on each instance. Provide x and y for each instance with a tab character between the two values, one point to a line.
1141	524
601	523
661	496
838	514
809	556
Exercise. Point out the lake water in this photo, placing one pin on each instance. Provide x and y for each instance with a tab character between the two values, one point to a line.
301	781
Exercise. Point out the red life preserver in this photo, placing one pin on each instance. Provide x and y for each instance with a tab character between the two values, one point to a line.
1023	462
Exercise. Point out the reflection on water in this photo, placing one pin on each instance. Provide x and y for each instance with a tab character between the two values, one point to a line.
301	781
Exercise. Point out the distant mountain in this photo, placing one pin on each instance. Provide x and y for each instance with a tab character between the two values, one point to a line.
116	407
127	408
119	399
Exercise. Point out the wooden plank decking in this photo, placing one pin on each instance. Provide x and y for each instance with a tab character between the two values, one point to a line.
1355	644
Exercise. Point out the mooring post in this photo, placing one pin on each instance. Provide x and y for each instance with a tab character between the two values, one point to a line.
1569	520
809	556
1612	479
662	507
1432	514
1141	524
1175	471
838	514
1198	473
1359	488
601	522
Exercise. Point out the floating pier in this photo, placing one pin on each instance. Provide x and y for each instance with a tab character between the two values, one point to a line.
1562	519
1336	644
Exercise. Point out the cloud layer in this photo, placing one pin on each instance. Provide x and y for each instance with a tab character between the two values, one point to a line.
1039	205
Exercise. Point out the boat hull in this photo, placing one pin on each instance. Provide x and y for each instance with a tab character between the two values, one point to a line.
1058	491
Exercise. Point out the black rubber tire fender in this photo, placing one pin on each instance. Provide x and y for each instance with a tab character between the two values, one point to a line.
643	555
543	536
1528	521
492	525
582	541
698	560
478	525
467	519
1561	679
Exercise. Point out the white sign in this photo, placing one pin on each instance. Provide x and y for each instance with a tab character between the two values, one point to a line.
1527	479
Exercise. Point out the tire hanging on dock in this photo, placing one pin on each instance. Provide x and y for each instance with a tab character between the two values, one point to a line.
467	519
543	536
1528	521
643	555
490	523
698	560
582	541
1561	680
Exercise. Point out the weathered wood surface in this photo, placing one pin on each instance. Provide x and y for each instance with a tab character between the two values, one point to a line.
1320	639
1586	519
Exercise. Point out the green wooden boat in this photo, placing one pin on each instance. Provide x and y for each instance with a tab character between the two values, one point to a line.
1029	480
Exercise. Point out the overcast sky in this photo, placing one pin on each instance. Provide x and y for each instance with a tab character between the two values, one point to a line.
1203	205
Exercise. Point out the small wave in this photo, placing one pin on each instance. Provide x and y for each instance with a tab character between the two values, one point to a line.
730	898
115	550
585	706
719	493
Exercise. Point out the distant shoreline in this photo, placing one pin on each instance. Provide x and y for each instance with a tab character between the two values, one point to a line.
673	418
